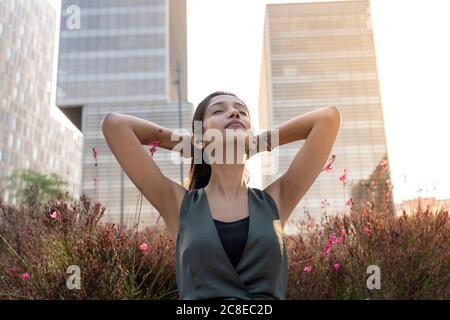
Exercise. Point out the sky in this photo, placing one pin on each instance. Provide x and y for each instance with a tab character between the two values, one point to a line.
411	42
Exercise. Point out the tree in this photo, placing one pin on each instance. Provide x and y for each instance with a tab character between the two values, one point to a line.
32	188
377	189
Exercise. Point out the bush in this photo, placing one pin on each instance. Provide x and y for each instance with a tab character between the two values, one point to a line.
326	260
38	248
330	260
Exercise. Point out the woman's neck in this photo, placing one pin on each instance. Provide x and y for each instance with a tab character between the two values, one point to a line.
227	180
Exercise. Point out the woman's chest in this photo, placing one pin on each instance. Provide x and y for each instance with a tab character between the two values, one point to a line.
229	210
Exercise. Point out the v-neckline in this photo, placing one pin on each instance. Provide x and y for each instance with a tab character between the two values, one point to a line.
217	233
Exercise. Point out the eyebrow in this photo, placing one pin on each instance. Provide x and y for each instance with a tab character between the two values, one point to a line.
222	102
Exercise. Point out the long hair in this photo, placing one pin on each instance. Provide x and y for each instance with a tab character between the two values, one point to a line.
200	173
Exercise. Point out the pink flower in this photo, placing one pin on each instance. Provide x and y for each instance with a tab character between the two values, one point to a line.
97	207
343	178
25	276
388	194
153	146
328	168
143	247
55	215
337	266
367	231
307	269
383	164
349	202
332	240
94	153
373	184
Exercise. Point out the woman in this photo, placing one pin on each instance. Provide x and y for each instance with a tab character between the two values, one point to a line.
229	242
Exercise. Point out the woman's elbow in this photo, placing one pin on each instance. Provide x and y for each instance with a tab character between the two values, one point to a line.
334	111
107	120
334	116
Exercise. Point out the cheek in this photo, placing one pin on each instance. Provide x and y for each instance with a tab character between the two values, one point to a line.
214	123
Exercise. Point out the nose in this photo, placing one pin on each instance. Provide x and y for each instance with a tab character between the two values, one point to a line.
235	113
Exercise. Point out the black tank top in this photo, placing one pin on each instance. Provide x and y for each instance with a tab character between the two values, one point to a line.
233	236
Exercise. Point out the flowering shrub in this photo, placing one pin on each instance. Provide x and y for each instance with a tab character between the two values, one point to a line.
328	260
37	248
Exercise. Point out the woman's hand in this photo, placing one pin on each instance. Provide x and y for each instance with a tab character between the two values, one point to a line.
187	150
256	143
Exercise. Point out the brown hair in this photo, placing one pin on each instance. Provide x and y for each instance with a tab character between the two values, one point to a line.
200	173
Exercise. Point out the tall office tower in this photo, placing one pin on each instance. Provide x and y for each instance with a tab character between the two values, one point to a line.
124	57
316	55
29	137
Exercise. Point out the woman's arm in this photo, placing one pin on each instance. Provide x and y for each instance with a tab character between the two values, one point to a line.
320	128
148	131
125	136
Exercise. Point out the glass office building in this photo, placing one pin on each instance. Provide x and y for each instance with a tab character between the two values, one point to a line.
122	56
30	138
315	55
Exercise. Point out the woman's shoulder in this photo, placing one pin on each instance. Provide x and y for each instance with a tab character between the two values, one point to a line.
265	196
189	195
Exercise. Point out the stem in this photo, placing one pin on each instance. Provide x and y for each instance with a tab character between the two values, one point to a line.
4	240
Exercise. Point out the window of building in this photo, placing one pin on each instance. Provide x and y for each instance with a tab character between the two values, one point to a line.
13	123
35	153
11	140
18	144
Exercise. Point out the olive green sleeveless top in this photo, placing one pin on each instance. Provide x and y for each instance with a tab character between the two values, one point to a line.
203	269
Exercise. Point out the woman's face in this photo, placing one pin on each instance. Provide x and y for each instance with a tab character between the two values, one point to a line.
225	116
225	108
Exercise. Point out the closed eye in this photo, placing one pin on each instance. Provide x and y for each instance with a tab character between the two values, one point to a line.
217	111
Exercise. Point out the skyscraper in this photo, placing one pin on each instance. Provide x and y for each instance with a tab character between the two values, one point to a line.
321	54
122	56
29	137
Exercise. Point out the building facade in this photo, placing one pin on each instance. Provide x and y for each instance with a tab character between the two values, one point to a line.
29	137
125	57
316	55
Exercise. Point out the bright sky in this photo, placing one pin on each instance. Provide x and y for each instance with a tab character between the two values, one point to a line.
411	39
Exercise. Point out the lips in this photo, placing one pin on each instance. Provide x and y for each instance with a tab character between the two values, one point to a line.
235	122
